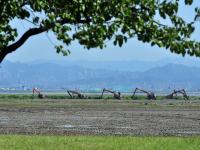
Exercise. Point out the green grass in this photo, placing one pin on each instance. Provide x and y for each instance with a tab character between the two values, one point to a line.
19	142
92	96
103	104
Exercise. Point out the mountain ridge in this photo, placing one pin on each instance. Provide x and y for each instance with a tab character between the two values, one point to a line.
54	76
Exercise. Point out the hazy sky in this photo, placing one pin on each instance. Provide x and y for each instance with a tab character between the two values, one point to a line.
40	47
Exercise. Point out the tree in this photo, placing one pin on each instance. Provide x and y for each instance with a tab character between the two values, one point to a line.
93	22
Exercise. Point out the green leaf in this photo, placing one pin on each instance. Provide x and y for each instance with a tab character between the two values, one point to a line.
188	2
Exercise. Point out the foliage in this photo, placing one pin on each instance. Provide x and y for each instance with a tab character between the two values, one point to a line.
93	22
97	142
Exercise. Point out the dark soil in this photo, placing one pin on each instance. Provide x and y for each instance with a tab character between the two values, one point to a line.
65	117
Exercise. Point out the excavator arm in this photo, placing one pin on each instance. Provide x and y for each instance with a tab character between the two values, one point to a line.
150	95
116	95
72	93
176	92
137	90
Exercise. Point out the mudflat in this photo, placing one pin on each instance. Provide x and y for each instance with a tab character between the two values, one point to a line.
100	117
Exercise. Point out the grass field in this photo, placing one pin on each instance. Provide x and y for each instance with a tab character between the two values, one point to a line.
19	142
93	101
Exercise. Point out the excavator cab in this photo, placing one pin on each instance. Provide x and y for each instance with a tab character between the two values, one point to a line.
151	95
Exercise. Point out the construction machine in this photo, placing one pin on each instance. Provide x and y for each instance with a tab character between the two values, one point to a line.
116	95
73	93
175	93
150	95
37	91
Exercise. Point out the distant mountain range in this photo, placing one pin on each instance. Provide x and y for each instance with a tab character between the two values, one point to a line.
56	76
125	65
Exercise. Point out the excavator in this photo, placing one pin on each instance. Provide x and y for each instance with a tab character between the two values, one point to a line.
72	93
40	95
175	94
116	95
150	95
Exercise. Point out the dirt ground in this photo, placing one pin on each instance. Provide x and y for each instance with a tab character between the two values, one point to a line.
100	117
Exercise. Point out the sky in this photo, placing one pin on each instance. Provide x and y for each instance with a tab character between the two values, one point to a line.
41	47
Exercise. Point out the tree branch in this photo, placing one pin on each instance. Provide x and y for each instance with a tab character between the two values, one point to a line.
31	32
21	41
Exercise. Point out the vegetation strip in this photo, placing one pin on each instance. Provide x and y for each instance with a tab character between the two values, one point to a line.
97	143
89	96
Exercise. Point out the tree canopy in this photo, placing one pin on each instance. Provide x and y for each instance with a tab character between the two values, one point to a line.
93	22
